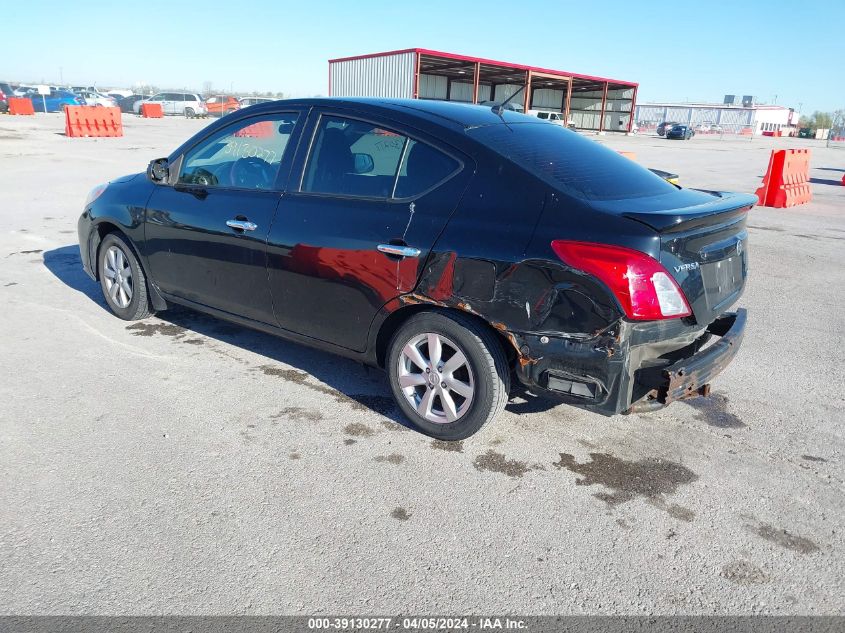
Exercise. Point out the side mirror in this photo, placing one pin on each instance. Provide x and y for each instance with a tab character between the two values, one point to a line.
158	170
364	163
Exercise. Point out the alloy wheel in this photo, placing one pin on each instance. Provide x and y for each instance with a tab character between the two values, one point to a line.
435	377
118	277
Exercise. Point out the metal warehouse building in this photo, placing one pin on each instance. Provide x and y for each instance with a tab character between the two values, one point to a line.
746	119
592	103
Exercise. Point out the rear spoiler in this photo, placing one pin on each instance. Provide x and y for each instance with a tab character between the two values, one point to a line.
725	205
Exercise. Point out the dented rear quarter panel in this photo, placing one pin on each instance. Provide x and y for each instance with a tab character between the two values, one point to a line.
494	260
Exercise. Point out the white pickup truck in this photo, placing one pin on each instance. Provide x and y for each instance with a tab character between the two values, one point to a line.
552	117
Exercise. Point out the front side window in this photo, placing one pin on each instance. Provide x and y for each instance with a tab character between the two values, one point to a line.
245	155
359	159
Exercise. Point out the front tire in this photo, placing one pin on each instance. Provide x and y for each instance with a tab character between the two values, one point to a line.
448	374
122	279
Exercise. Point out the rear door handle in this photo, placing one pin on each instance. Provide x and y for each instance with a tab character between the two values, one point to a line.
399	251
242	225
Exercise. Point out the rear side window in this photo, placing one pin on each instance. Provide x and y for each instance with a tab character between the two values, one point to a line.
360	159
568	161
423	167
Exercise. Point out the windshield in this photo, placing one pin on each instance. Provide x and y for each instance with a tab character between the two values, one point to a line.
566	160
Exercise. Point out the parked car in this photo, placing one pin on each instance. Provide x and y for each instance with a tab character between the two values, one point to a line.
78	89
251	101
126	103
665	127
96	99
119	94
552	117
6	91
449	244
185	103
221	105
22	91
56	101
682	132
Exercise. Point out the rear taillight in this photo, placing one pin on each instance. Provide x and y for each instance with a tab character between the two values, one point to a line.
640	283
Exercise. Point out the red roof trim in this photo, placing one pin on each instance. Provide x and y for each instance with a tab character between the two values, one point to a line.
482	60
371	55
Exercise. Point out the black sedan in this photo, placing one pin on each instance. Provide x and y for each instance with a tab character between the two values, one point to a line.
664	127
125	103
457	247
682	132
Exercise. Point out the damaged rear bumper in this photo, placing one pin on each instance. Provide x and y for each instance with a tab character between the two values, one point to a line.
631	366
691	376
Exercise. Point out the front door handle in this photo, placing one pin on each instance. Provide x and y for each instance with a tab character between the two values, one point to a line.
399	251
241	225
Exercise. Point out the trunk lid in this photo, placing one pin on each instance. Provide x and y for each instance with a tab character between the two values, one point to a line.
703	244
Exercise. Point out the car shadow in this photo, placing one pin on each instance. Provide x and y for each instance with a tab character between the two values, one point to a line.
826	181
522	401
347	381
66	265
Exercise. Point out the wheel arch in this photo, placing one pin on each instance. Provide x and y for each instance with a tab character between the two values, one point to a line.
399	317
98	233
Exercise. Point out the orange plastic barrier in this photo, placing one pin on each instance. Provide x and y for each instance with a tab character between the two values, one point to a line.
93	121
262	129
787	180
151	111
20	105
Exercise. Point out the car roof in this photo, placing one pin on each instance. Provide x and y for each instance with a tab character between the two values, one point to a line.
449	113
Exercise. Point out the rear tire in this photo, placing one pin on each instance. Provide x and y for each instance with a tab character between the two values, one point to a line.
122	279
189	113
448	374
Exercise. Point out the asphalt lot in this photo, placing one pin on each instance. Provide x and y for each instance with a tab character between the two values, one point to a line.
188	466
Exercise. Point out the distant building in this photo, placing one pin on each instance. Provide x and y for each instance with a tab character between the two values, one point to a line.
591	103
726	118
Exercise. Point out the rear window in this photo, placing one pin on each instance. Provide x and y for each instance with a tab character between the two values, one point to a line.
568	161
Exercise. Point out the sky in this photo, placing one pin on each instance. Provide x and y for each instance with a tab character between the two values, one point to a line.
781	51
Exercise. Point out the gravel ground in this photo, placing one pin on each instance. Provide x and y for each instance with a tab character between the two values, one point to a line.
188	466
